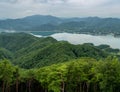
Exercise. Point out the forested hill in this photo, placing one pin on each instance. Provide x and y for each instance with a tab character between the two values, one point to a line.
94	25
31	64
18	41
29	51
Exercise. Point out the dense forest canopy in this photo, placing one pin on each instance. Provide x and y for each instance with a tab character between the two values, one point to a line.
80	75
29	51
32	64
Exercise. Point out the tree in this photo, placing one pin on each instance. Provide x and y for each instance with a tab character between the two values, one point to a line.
6	72
16	75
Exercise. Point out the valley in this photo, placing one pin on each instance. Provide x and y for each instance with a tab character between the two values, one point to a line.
43	64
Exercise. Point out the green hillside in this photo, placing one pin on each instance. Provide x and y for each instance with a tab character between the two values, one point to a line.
58	52
32	64
16	41
4	53
29	51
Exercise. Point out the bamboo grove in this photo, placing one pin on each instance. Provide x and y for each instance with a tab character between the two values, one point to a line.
81	75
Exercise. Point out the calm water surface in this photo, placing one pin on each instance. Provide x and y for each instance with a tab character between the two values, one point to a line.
75	38
85	38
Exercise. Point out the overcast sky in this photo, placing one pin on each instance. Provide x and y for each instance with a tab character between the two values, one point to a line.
61	8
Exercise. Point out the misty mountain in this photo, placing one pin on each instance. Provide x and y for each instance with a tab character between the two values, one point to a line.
28	22
94	25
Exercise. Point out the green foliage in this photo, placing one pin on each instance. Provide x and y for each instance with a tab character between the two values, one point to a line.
16	41
4	53
57	53
102	76
6	74
28	51
81	75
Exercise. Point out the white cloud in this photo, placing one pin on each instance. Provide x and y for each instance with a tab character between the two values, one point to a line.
65	8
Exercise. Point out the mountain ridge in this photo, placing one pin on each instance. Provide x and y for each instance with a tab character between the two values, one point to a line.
93	25
28	51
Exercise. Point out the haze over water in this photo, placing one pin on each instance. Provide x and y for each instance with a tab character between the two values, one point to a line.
85	38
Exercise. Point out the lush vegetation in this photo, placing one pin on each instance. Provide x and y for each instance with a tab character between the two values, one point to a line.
92	25
28	51
80	75
4	53
31	64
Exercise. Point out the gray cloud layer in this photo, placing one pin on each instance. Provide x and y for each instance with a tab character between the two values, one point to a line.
63	8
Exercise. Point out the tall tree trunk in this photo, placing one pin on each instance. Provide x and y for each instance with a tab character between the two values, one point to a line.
63	86
7	87
17	85
95	87
45	90
29	85
83	86
3	87
80	87
87	87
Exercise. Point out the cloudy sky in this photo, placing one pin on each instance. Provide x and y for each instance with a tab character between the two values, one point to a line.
61	8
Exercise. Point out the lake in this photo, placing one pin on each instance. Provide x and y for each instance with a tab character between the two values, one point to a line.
75	38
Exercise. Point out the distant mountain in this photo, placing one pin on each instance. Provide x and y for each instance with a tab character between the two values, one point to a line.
94	25
28	22
41	19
